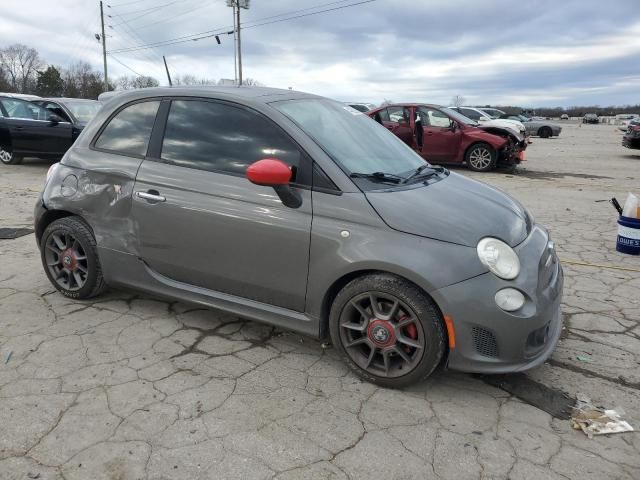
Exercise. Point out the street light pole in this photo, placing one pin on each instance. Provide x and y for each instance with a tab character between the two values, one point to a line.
104	50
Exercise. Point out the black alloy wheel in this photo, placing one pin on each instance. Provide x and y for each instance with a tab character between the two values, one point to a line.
389	332
70	259
8	157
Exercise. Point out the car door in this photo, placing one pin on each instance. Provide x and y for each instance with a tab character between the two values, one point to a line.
32	131
199	221
399	122
55	138
441	141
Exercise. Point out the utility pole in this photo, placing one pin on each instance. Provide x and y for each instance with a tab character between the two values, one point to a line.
237	5
104	50
235	44
167	69
239	45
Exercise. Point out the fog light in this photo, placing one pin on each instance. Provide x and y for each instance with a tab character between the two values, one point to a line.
509	299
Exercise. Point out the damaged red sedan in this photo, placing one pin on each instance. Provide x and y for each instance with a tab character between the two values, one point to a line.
444	136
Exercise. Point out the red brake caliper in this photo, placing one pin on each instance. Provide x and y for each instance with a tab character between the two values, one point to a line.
411	331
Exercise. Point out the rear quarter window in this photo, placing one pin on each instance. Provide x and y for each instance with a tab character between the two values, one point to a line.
129	130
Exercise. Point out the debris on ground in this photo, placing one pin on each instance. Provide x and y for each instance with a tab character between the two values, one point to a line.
597	421
7	357
584	358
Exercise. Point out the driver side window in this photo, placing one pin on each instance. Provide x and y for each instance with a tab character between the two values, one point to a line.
398	114
434	118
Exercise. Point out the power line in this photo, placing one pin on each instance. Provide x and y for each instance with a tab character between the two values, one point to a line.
168	19
309	14
146	11
126	3
221	30
125	65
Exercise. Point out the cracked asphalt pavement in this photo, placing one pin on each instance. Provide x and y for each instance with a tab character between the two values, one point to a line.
131	387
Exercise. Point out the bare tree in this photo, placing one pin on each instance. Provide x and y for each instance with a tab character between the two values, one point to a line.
386	101
458	101
128	83
188	79
80	80
252	82
20	64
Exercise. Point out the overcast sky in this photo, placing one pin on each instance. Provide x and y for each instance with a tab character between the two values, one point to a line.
529	53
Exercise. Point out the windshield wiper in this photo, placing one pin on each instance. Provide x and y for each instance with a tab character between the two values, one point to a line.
419	172
379	177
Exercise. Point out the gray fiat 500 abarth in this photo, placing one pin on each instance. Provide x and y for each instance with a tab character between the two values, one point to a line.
299	211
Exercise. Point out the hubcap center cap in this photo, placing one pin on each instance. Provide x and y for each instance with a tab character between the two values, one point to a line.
381	333
69	260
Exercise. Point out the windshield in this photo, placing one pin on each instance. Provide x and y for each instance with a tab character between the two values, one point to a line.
354	141
83	111
493	112
457	116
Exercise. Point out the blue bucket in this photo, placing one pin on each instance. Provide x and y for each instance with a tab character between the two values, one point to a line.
628	236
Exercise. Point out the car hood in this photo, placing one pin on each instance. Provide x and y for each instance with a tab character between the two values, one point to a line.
510	129
513	124
455	209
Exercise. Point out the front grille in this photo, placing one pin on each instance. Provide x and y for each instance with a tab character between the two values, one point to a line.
537	339
485	342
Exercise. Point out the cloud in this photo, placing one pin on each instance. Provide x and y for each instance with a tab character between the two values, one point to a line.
535	53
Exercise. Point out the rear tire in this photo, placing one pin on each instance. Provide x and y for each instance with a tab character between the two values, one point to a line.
8	157
545	132
70	258
481	157
387	330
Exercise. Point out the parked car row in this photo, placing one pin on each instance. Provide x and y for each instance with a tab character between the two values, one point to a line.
443	135
40	127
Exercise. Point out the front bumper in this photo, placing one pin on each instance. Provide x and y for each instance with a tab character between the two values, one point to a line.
490	340
631	141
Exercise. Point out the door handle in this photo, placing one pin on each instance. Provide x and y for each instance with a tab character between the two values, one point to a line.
429	133
389	127
18	128
151	196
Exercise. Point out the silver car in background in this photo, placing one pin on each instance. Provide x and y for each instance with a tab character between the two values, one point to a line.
301	212
538	128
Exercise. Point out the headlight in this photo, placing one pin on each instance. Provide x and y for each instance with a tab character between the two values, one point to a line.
499	257
509	299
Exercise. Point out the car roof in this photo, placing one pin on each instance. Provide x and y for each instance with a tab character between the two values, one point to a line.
244	94
65	99
409	105
21	96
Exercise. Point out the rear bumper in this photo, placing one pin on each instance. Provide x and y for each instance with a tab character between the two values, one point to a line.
490	340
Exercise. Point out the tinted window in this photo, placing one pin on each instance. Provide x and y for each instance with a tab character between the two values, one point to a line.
472	114
129	131
398	114
219	137
16	108
434	118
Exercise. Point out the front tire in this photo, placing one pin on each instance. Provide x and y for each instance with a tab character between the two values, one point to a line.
70	258
545	132
387	330
481	157
8	157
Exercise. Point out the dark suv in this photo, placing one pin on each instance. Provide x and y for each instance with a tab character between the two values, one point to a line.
302	212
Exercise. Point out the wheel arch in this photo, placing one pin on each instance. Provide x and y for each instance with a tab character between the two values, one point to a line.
544	128
341	282
50	216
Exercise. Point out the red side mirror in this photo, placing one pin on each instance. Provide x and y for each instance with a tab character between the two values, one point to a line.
269	172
